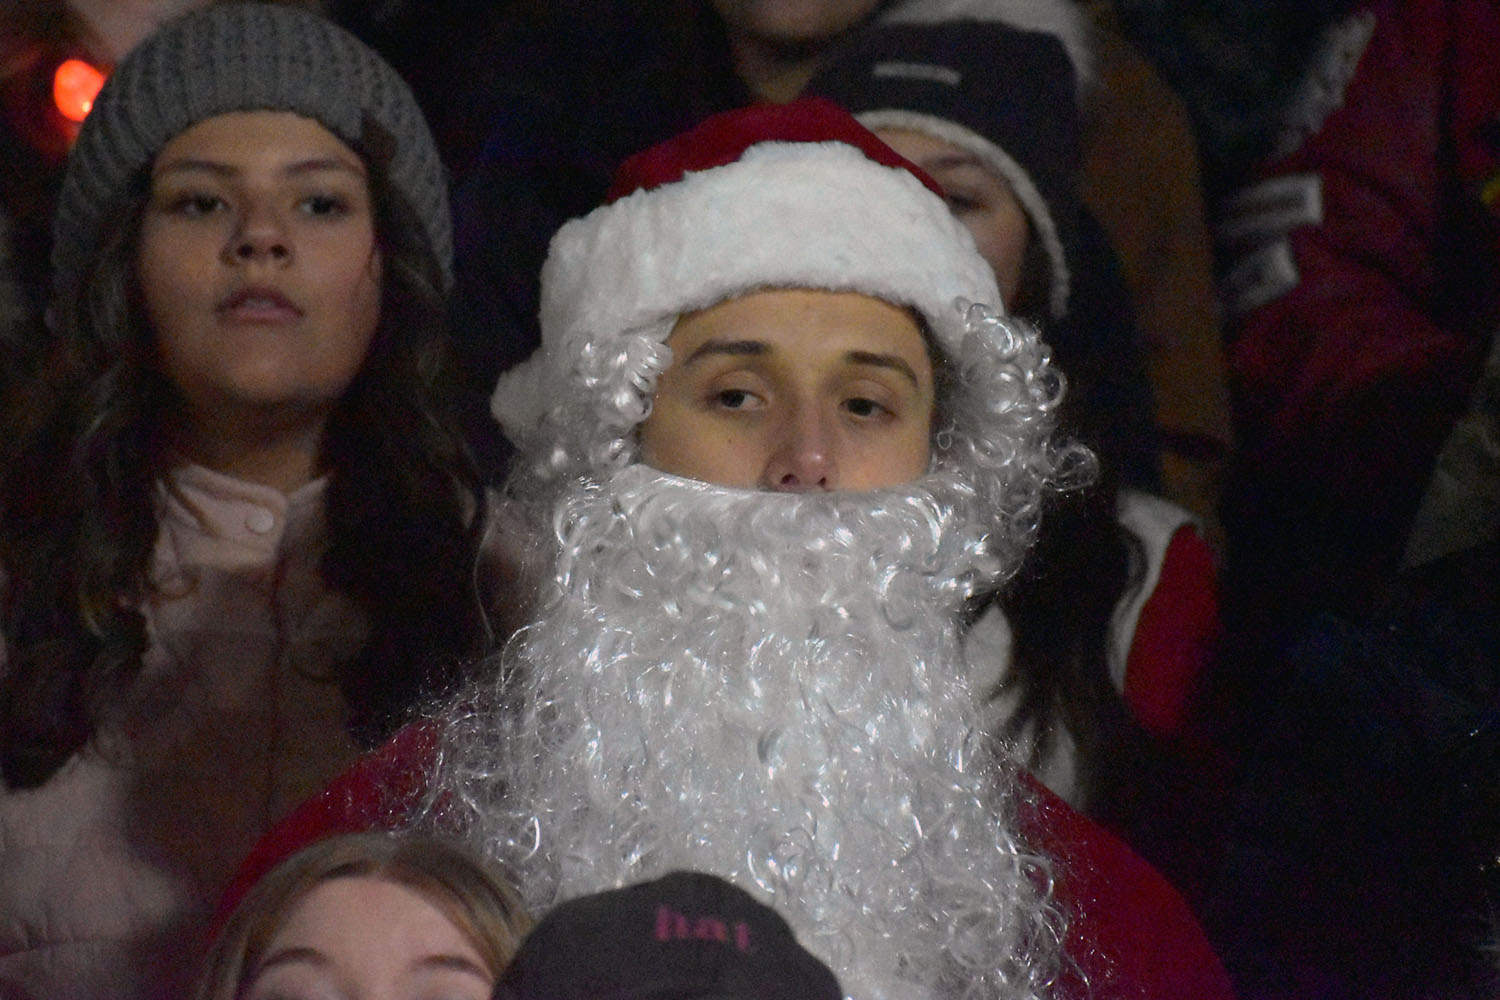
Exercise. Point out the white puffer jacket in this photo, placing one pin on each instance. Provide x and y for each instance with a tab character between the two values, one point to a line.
108	871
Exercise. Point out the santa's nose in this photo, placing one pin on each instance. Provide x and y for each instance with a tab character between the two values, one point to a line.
803	458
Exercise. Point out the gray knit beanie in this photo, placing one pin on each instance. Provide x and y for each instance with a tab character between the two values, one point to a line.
242	57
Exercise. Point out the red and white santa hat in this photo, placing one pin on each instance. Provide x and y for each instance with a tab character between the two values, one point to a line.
770	196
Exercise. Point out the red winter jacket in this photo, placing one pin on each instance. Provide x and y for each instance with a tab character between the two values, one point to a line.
1366	281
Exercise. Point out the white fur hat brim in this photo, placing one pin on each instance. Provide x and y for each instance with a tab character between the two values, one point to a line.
784	215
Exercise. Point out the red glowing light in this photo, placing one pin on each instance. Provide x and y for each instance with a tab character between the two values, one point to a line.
74	87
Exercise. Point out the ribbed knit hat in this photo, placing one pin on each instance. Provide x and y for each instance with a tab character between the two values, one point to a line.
796	195
685	936
1003	94
242	57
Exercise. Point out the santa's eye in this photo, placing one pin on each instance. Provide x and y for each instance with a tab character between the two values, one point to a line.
735	399
865	408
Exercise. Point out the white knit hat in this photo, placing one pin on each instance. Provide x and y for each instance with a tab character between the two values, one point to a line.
771	196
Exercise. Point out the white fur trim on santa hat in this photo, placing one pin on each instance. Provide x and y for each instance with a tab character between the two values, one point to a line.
784	215
999	162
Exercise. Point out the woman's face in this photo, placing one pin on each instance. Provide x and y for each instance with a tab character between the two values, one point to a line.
363	938
980	199
794	390
259	267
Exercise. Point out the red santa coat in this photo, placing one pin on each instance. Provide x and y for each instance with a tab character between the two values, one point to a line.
1130	934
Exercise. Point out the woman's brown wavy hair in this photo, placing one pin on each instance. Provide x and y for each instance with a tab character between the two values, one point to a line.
78	523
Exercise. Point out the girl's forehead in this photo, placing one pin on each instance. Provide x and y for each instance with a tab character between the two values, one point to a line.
247	139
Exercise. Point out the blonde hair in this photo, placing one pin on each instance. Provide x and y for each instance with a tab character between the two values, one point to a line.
474	897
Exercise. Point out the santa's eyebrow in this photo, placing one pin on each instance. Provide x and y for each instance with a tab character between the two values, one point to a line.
892	361
758	348
736	348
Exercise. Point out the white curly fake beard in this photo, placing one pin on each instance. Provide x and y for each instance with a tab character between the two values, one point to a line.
769	687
